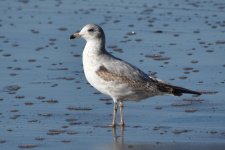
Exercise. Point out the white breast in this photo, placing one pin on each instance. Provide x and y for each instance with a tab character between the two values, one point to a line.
91	64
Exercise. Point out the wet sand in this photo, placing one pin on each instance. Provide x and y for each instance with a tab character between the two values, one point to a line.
46	102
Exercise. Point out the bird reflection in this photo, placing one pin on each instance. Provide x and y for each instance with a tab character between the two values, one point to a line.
118	140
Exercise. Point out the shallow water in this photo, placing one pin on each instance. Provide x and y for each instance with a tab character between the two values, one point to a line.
46	103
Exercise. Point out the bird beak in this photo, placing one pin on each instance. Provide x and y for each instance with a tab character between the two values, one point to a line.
75	35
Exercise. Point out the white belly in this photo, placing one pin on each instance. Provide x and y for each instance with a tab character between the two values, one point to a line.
110	88
91	65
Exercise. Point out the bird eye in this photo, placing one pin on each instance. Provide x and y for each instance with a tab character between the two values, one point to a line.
90	30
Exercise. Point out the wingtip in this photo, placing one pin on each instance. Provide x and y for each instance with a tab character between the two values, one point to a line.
198	93
178	91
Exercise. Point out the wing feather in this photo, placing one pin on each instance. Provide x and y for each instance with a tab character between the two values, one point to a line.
124	69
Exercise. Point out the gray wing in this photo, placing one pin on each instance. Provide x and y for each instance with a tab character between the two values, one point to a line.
120	68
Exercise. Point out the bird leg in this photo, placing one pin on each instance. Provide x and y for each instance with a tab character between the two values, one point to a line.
121	114
114	114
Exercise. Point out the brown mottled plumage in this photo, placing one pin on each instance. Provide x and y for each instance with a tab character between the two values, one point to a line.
120	79
161	86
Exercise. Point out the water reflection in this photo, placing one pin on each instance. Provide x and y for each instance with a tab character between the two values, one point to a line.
121	144
118	140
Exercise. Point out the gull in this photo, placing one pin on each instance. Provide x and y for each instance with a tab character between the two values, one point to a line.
117	78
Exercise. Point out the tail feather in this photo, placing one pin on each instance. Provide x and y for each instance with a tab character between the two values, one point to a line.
171	89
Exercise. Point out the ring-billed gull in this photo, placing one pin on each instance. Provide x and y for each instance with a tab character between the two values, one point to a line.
117	78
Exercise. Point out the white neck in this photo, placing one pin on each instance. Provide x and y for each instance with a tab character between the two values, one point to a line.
95	46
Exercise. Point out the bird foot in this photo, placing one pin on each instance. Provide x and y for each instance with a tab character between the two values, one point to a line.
113	125
122	124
